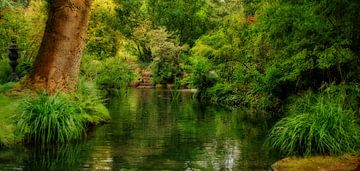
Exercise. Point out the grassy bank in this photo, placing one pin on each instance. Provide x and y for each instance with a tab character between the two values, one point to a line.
8	109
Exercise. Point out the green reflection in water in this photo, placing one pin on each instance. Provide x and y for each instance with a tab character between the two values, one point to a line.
149	131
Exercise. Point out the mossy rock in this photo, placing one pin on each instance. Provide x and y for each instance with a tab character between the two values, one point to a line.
319	163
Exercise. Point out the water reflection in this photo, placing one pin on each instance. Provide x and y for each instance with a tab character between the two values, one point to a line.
149	131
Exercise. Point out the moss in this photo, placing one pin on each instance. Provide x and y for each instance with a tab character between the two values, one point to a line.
344	163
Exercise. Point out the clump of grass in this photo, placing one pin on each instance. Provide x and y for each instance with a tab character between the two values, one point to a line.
50	119
60	118
319	124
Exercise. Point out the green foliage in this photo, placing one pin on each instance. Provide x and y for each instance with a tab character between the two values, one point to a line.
47	119
292	46
318	124
5	71
130	14
90	101
166	52
60	118
90	67
102	34
25	25
188	19
202	75
12	3
115	74
7	86
110	74
6	4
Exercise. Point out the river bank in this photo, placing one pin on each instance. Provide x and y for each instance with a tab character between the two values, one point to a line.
318	163
7	125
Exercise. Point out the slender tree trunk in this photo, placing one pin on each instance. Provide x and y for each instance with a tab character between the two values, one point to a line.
57	64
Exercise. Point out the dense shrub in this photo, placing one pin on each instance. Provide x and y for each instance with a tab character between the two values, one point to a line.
201	75
90	101
317	124
291	46
115	74
5	71
24	23
102	34
165	51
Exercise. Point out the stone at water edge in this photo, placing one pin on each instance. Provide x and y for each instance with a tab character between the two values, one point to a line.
319	163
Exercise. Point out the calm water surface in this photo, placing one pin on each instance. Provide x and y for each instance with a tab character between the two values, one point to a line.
150	131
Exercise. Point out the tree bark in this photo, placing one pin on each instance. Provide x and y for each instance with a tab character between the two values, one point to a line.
57	64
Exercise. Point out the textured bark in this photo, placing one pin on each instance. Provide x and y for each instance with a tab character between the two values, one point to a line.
57	64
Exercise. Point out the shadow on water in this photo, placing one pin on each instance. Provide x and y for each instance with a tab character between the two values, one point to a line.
149	131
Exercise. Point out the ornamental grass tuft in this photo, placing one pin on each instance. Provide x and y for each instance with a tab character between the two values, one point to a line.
50	119
321	125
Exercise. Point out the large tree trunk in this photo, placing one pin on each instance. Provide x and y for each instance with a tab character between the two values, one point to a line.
57	64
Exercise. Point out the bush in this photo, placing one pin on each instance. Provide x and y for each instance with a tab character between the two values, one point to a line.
165	52
5	71
201	74
319	124
89	99
90	67
48	119
114	75
102	34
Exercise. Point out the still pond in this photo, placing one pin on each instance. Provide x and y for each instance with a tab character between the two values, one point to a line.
152	130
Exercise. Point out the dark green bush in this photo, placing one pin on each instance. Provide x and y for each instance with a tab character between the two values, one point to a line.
90	101
5	71
317	124
115	74
164	72
202	75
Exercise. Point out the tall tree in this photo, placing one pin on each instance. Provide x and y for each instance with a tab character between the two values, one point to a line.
57	64
187	18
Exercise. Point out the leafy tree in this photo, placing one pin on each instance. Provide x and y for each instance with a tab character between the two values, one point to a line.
166	53
57	64
103	35
292	46
187	18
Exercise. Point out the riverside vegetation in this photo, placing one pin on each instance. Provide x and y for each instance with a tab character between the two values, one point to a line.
296	59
